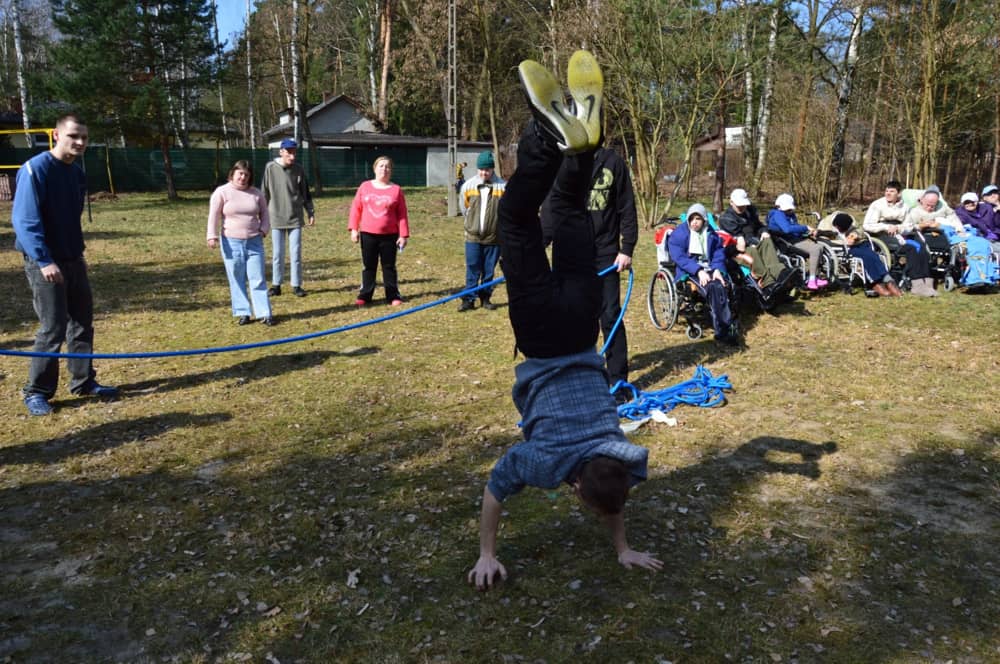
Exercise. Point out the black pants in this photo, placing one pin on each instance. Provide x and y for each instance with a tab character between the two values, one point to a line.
554	310
918	264
65	313
375	248
616	355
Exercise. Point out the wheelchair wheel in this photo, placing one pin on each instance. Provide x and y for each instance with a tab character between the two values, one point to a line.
694	331
827	265
882	249
662	301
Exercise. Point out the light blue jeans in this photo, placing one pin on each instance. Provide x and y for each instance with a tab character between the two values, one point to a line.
244	261
294	236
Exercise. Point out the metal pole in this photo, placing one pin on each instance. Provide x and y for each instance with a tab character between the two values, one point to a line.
452	108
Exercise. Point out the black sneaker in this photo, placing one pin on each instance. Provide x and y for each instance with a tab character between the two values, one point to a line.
269	322
243	320
299	291
95	389
274	290
467	305
549	108
489	306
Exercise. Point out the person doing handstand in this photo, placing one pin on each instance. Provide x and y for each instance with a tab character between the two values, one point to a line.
569	419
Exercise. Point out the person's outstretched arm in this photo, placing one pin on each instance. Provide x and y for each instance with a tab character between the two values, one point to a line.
626	556
487	567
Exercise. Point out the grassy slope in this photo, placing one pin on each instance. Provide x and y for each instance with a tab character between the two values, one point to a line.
842	507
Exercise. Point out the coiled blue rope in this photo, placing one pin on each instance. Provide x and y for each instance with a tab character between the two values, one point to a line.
703	390
301	337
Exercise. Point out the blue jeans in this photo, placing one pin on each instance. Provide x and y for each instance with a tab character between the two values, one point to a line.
244	261
874	267
65	312
294	237
480	265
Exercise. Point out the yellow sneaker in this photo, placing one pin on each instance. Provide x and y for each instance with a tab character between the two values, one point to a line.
586	87
549	108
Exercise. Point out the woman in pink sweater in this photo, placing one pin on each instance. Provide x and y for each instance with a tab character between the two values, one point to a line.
378	220
243	212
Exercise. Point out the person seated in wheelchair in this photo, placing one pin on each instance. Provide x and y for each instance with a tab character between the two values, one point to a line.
700	258
929	218
981	216
888	219
857	245
752	246
784	225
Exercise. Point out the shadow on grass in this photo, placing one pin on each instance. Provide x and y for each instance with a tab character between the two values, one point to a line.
242	372
104	437
364	548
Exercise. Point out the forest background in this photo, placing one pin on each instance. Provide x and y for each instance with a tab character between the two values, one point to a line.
833	97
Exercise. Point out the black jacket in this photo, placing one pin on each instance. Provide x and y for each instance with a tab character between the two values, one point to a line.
746	225
612	209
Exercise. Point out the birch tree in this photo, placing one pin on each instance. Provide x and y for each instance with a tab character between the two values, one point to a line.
22	89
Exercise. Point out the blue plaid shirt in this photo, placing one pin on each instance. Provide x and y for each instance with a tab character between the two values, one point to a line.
568	417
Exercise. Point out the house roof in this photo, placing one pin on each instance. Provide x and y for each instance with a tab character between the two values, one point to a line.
323	105
366	139
361	138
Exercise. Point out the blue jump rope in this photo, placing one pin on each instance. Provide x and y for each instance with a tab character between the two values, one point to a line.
702	390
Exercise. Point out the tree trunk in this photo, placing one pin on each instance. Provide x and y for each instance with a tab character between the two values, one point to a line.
763	120
168	164
250	100
296	96
383	92
283	68
844	87
22	89
305	66
869	156
748	100
720	159
218	78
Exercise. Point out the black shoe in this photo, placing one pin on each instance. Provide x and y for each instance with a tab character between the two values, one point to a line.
95	389
489	306
243	320
274	290
467	305
298	291
269	322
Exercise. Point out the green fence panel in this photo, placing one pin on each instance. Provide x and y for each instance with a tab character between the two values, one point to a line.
141	169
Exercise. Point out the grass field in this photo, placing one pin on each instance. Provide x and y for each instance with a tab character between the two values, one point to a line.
318	501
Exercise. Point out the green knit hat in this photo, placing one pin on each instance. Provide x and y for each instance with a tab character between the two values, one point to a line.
485	160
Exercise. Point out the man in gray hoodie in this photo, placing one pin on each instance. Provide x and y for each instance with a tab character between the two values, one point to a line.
287	194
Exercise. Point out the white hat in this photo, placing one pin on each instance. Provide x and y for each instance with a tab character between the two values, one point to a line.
970	196
739	197
784	202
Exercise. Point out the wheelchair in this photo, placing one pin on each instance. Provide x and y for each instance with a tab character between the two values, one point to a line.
849	269
946	265
798	259
669	298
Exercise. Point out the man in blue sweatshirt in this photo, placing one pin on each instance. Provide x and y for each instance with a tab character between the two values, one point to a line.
48	202
568	417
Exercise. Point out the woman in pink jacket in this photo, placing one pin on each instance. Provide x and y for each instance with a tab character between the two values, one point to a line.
378	220
243	212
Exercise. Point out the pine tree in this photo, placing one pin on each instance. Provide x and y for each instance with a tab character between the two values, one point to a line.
136	69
